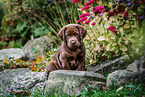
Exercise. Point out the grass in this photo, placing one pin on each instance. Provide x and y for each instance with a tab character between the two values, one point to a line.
137	90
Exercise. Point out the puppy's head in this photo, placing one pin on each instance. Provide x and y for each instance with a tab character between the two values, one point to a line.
72	35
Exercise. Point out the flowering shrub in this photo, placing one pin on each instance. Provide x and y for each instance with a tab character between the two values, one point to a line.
112	28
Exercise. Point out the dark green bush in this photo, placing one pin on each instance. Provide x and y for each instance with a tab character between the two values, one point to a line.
28	19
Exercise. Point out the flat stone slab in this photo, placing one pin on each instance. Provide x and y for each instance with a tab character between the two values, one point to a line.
111	65
20	80
38	45
120	78
6	77
15	53
67	81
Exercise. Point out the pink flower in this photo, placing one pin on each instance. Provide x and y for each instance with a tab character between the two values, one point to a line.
87	22
121	12
78	21
98	9
75	1
111	11
93	23
112	28
84	15
86	7
82	19
141	1
88	3
92	1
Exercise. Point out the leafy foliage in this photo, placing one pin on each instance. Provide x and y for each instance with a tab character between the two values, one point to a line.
113	28
28	19
39	64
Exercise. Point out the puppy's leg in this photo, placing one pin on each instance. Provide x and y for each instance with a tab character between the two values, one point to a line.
50	67
65	65
81	66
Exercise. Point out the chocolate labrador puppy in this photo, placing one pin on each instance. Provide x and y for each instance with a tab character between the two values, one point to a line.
71	54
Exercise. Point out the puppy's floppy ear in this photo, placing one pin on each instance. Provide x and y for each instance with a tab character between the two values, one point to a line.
61	33
82	30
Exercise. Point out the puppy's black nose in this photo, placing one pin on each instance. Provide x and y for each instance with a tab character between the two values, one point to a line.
73	41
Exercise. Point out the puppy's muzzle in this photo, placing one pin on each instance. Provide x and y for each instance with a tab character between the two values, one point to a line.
73	42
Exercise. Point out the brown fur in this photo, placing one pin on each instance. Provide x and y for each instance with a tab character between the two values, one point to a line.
71	54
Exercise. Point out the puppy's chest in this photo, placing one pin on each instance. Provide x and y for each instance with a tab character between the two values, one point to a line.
70	59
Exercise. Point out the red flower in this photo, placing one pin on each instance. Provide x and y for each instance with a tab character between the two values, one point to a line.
121	12
86	7
92	1
88	3
111	11
75	1
93	23
142	1
112	28
87	22
84	15
125	15
82	19
98	9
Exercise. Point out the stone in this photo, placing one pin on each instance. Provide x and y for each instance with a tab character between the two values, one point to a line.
120	78
67	81
38	87
133	66
15	53
110	66
20	80
35	47
27	81
6	77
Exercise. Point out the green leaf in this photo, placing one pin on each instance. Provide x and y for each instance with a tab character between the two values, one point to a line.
11	44
133	40
123	48
136	33
106	24
126	26
108	47
101	38
3	43
127	37
20	27
121	31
